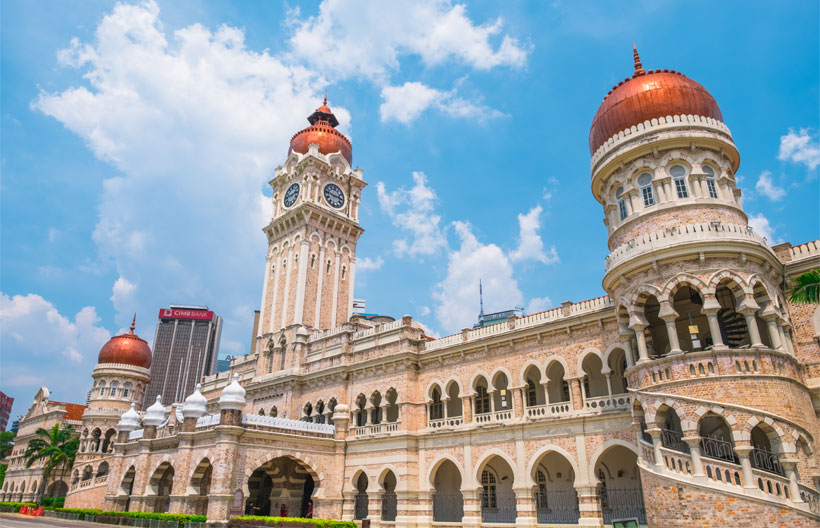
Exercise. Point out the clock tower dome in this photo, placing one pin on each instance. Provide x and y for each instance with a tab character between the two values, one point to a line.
312	236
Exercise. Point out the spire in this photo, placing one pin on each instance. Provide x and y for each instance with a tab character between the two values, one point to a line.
134	322
324	103
638	66
480	298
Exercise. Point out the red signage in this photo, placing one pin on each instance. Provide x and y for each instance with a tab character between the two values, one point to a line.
184	313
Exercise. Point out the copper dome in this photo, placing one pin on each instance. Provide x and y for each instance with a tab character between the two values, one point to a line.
322	131
649	95
126	349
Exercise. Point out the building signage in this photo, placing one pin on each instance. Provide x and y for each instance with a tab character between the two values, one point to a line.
184	313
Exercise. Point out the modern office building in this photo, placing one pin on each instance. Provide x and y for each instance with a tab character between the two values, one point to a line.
5	410
185	348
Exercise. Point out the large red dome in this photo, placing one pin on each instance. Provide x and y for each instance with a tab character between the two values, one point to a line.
126	349
646	96
322	131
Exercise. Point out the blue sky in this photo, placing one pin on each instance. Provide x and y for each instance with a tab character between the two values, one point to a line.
137	140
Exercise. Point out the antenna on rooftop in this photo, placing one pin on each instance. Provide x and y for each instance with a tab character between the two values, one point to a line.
480	298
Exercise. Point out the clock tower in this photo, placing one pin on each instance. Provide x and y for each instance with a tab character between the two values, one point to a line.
312	236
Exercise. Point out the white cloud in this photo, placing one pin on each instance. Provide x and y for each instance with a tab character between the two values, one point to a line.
457	294
530	245
194	123
767	187
413	211
366	39
42	346
122	294
538	304
760	224
800	147
369	264
405	103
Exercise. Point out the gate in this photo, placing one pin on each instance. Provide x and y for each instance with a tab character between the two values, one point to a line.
622	503
360	506
557	506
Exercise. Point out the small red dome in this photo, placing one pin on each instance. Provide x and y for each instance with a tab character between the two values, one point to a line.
646	96
126	349
322	131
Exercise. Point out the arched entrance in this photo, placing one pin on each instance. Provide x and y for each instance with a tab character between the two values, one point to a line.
360	504
57	489
389	499
280	487
160	487
201	487
448	502
620	485
127	487
556	500
497	495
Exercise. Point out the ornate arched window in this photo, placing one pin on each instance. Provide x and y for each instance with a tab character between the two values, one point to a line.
532	398
126	390
678	173
436	408
621	202
482	400
711	182
645	184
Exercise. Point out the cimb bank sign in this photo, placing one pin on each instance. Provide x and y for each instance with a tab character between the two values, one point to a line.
182	313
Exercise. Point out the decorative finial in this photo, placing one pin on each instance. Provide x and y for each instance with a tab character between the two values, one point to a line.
638	66
324	103
134	322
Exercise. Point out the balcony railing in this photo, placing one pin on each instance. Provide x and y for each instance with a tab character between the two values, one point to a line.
451	421
549	410
557	506
674	440
766	461
497	416
616	402
386	427
718	449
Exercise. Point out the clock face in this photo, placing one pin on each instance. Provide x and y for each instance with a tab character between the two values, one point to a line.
291	195
334	195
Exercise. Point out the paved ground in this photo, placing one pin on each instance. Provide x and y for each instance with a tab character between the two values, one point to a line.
13	520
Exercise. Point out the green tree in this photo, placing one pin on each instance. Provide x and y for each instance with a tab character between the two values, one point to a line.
56	448
3	468
807	287
6	443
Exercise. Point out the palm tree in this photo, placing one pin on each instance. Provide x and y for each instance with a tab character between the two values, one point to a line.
56	448
807	287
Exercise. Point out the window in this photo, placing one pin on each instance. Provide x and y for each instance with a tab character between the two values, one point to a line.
114	387
102	389
327	270
126	389
621	202
482	400
436	407
344	272
645	183
678	174
312	260
489	498
711	183
532	398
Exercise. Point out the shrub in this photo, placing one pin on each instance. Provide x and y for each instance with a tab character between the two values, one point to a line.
47	501
14	506
59	501
288	522
114	516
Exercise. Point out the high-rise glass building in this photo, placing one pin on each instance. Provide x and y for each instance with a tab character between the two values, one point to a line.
185	348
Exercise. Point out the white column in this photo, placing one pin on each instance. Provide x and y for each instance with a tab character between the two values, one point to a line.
660	195
774	334
263	308
754	333
609	384
287	287
672	332
300	283
319	288
746	464
351	281
714	329
643	356
277	264
336	289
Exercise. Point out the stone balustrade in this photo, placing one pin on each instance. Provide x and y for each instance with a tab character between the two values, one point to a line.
550	410
373	429
679	235
615	402
270	422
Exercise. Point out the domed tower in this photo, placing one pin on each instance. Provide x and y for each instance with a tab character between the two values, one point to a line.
312	236
120	379
719	395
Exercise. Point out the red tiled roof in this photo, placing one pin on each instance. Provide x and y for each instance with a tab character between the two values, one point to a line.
74	411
